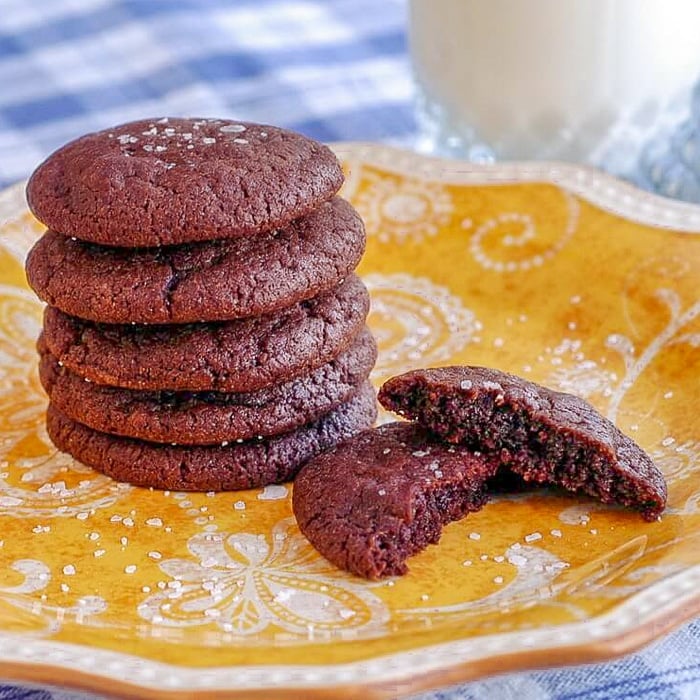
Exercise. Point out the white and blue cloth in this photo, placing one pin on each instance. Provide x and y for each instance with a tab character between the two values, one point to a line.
333	69
670	163
336	70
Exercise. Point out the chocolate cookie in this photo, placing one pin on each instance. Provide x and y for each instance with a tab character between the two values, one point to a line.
220	468
213	281
372	502
235	356
168	181
542	435
208	418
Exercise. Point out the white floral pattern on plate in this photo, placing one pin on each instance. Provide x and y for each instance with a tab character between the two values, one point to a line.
521	244
419	323
42	618
401	208
244	583
66	486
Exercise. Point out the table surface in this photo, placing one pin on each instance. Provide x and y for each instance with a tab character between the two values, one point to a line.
334	69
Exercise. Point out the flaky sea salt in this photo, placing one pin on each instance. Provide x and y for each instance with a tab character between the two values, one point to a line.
517	559
273	492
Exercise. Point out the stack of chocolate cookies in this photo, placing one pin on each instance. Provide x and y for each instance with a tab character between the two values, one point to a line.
205	329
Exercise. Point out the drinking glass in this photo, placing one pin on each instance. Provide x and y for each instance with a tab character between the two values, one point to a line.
575	80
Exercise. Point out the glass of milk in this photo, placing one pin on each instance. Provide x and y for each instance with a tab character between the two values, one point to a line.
548	79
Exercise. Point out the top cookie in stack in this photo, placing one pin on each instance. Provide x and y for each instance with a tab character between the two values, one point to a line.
205	330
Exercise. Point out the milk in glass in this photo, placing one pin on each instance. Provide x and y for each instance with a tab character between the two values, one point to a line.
548	78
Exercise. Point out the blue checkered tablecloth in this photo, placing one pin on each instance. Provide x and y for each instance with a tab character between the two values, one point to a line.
333	69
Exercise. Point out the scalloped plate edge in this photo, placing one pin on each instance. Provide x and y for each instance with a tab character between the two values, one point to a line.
599	188
642	618
636	622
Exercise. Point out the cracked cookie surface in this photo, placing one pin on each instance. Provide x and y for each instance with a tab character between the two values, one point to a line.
205	418
243	355
212	281
250	464
169	181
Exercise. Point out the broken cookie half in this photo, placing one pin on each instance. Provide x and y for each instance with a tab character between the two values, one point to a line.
384	495
543	436
372	502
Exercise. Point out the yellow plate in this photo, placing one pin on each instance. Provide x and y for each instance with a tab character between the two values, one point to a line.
557	273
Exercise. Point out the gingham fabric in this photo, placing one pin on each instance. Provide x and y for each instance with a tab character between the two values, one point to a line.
333	69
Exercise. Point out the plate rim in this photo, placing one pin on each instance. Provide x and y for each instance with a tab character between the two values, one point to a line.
597	187
641	618
667	608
